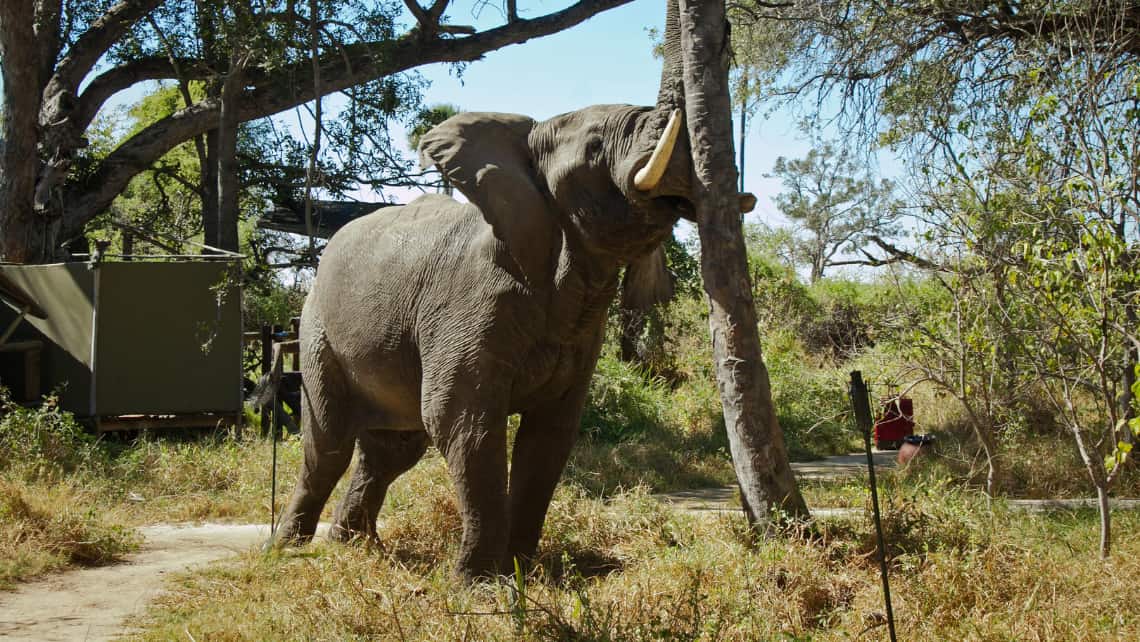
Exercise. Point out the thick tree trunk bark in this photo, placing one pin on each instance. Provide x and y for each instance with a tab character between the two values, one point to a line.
210	189
21	228
228	187
755	439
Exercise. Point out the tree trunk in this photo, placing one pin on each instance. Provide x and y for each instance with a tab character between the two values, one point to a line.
21	228
755	439
210	189
228	187
1094	465
1105	521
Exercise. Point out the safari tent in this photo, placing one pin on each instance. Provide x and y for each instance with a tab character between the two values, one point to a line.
126	344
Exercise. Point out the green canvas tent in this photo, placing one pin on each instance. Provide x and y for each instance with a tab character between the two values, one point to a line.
127	344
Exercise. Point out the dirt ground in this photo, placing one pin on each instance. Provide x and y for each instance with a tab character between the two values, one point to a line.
92	603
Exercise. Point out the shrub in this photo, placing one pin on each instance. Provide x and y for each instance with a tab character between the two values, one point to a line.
44	441
48	530
811	402
623	402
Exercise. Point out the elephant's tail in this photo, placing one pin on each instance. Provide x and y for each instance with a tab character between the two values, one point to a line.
266	389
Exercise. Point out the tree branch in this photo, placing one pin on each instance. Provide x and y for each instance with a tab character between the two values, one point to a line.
117	79
47	30
97	40
897	255
355	64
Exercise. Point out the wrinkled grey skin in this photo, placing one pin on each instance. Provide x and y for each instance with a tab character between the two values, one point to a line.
436	320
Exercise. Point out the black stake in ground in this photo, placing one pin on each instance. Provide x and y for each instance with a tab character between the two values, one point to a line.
273	473
861	404
266	397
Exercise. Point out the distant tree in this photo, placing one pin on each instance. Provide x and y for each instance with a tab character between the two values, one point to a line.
836	206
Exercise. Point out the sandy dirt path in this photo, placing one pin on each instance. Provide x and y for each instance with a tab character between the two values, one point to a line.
92	603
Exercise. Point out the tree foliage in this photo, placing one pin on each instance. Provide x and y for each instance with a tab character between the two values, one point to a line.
63	59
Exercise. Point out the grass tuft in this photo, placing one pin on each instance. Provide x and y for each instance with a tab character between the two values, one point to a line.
53	530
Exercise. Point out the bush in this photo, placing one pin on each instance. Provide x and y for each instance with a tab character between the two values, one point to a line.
811	402
44	441
624	402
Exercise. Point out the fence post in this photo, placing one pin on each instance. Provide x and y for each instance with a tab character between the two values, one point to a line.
295	322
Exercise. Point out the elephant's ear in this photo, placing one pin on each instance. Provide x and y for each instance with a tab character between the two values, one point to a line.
487	157
647	282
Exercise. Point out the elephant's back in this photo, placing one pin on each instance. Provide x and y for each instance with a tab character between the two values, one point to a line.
380	266
376	276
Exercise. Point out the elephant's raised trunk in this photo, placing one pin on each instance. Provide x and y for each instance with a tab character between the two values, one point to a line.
671	94
649	176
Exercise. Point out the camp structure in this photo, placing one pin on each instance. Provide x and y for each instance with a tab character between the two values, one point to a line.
326	216
126	344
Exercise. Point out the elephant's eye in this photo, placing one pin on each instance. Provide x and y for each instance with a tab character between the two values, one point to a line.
594	149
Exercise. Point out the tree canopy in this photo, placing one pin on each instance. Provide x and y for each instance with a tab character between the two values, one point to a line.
63	59
835	204
1021	124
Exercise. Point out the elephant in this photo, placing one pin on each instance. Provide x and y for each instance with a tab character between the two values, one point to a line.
434	321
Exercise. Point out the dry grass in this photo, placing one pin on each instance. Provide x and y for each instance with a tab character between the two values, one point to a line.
54	529
625	568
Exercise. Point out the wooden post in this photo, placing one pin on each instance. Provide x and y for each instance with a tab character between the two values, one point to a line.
295	322
755	440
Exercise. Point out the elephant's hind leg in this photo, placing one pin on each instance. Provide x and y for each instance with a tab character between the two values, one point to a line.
383	456
328	440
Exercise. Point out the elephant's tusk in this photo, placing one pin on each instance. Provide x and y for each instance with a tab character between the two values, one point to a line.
648	177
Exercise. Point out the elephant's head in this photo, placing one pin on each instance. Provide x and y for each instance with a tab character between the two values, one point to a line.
616	176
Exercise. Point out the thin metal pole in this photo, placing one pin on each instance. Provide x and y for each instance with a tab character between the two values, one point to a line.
273	481
862	407
266	368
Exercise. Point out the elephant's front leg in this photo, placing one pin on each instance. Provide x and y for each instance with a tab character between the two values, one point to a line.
546	436
474	444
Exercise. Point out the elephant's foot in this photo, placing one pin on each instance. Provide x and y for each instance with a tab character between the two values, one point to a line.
296	528
352	522
486	565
